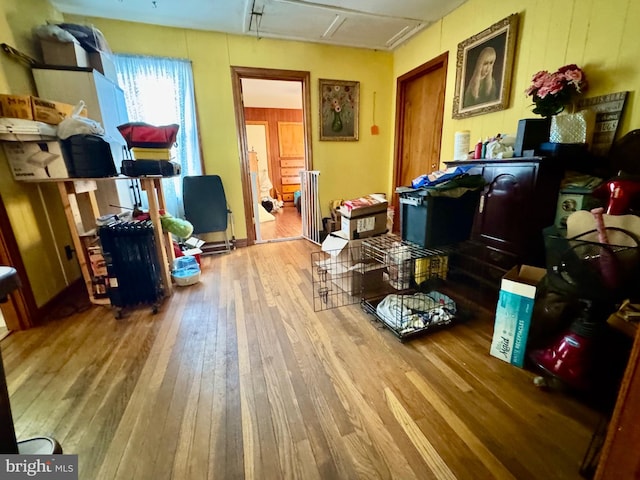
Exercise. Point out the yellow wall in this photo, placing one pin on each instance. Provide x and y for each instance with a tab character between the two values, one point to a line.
601	37
348	169
24	203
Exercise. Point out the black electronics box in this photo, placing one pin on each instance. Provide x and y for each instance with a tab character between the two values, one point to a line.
531	133
89	156
140	168
564	150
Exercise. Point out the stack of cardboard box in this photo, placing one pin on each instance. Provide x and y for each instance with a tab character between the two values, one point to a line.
364	217
42	159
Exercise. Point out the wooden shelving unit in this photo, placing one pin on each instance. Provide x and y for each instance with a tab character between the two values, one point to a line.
78	194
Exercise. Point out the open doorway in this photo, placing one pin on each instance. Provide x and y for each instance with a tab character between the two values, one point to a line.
272	117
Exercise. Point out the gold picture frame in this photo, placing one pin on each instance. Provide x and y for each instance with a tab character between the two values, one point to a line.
339	110
483	69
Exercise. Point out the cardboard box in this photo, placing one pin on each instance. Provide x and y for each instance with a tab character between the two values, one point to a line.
67	54
103	62
96	259
343	250
36	160
513	313
367	205
346	268
29	107
363	227
359	278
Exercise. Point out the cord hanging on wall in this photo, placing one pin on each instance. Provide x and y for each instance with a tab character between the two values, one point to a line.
374	128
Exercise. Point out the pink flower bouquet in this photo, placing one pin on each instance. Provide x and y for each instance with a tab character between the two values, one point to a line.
552	92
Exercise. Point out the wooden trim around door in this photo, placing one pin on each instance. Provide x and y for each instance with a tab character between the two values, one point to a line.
434	64
21	311
237	74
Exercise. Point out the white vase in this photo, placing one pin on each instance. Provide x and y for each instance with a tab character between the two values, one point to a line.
573	127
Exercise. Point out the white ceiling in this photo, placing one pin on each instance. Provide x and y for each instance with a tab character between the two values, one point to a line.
271	93
373	24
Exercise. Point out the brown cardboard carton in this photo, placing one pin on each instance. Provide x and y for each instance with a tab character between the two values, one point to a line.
103	62
16	106
66	54
367	205
29	107
363	227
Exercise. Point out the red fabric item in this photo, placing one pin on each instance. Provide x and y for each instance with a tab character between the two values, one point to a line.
144	135
177	251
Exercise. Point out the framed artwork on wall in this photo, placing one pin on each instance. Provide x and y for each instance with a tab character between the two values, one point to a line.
339	109
483	69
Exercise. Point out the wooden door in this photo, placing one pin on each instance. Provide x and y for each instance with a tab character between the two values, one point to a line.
419	114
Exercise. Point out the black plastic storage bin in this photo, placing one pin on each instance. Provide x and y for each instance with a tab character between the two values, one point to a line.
90	156
432	221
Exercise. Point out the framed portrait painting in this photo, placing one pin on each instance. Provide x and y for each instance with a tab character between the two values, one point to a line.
483	69
339	108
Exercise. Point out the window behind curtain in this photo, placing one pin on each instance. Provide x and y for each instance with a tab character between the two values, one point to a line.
159	91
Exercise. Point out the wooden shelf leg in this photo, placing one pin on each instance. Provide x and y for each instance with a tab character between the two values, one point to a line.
66	189
153	196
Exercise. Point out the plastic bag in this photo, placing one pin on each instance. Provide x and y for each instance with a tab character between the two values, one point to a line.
78	125
144	135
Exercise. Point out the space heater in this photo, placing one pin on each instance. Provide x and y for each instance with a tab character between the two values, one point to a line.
129	250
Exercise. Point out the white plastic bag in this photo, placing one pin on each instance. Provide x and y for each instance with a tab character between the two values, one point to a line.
77	125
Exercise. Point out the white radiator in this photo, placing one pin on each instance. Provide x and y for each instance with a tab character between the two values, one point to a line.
310	206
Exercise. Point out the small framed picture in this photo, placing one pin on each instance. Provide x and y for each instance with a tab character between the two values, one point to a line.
339	108
483	69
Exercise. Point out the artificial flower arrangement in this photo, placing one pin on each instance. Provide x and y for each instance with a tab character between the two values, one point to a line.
552	92
338	105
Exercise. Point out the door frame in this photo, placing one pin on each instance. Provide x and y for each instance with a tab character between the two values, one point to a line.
237	74
20	312
438	62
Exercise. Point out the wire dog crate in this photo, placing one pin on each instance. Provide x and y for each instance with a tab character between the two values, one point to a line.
410	304
393	280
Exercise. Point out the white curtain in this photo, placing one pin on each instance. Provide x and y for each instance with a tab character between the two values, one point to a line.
160	91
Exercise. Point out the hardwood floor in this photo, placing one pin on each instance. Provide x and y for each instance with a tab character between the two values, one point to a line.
237	377
287	224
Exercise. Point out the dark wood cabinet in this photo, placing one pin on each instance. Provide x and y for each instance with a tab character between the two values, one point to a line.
517	203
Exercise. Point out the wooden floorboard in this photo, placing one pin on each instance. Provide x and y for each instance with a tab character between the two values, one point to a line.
237	377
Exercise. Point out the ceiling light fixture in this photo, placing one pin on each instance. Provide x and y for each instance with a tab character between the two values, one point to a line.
335	25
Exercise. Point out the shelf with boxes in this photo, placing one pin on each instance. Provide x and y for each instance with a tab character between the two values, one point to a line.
78	195
393	280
